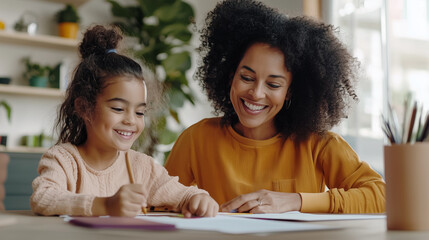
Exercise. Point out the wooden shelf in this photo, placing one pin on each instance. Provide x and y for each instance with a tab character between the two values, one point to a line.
30	91
38	40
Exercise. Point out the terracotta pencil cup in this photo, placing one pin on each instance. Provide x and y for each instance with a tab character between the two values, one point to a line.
406	168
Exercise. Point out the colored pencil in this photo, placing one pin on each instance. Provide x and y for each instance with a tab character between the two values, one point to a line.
131	176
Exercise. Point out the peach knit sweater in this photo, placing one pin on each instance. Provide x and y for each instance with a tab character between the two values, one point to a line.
67	185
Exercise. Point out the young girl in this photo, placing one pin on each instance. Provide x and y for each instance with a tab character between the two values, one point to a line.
92	171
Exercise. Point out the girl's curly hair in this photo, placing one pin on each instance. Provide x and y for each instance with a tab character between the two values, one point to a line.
323	71
99	62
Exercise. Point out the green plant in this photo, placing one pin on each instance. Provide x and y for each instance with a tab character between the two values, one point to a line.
34	69
68	14
162	30
8	109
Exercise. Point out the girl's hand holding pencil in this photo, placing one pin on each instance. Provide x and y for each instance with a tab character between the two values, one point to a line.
127	201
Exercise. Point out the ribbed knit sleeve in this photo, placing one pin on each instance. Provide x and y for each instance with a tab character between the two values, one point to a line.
353	186
54	190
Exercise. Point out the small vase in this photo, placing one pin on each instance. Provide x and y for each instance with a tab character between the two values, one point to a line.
39	81
3	140
68	30
4	80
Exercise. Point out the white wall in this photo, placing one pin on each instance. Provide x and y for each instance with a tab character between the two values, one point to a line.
33	115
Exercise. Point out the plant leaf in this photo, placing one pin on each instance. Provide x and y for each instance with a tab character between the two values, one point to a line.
179	12
175	115
167	136
177	62
178	31
176	97
149	7
8	109
118	10
190	97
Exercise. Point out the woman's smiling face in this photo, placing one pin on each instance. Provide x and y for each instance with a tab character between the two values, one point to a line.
259	90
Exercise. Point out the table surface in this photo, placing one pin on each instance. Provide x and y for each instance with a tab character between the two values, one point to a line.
29	226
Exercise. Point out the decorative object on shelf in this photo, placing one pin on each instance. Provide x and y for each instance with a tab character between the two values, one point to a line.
162	31
27	23
3	140
38	140
37	74
6	106
4	80
68	22
54	77
2	25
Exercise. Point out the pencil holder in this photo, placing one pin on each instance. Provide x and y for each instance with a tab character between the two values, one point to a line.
406	168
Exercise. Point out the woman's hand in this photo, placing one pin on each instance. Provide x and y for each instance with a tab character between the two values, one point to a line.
201	205
127	201
264	201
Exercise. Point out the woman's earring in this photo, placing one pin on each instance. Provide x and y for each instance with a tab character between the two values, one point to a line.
287	103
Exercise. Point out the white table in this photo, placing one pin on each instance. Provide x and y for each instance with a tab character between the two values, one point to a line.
29	226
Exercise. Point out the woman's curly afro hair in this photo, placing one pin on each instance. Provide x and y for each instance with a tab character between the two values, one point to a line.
323	71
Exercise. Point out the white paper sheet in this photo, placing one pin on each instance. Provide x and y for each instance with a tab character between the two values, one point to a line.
306	217
235	225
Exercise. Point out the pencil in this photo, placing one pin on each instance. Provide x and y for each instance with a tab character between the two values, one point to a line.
131	176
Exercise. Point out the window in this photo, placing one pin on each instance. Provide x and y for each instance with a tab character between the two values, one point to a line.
391	40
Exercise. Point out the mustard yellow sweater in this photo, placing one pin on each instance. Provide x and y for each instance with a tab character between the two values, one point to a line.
227	165
67	185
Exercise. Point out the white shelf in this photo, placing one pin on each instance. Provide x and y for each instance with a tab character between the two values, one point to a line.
76	3
30	91
64	49
38	40
23	149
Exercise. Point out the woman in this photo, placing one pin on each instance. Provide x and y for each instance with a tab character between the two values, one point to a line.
281	84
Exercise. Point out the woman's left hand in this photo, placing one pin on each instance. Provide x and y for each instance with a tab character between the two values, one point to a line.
264	201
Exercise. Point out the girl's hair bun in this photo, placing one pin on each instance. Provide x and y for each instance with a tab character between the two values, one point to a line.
99	39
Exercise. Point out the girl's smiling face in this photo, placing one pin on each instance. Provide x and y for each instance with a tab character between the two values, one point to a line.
118	118
259	90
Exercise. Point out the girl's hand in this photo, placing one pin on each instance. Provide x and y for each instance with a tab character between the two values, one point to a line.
127	201
264	201
201	205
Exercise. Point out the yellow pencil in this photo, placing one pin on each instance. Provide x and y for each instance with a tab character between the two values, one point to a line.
131	176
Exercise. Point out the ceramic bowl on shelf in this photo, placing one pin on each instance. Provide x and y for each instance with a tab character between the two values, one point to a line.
4	80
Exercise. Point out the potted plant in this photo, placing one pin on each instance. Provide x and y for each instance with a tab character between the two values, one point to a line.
3	138
37	74
68	19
